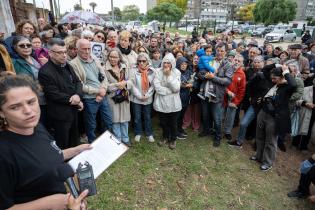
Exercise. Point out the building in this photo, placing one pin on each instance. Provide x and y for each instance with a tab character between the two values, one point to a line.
151	4
219	10
305	9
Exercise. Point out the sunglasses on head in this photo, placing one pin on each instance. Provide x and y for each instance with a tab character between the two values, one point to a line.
25	46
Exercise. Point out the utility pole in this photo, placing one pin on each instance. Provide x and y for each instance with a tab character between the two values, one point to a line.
113	15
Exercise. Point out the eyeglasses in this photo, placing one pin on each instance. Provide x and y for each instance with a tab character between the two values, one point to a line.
25	46
142	61
60	52
100	37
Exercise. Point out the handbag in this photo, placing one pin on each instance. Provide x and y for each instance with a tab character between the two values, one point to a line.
120	95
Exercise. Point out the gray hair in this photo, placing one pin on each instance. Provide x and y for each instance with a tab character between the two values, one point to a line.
146	56
119	54
86	33
55	41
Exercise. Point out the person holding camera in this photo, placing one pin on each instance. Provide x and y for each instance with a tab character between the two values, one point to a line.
119	84
274	118
29	156
92	76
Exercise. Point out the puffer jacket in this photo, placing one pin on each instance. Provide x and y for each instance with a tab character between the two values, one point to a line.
167	99
204	61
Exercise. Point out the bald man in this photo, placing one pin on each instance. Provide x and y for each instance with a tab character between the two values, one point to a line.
92	75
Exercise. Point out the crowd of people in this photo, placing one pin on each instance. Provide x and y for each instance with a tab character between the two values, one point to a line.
194	81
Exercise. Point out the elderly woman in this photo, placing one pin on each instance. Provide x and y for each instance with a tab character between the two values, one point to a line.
167	100
119	83
24	28
124	44
142	96
72	50
87	34
306	118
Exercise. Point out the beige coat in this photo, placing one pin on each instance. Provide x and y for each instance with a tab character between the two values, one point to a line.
130	60
121	111
80	72
305	114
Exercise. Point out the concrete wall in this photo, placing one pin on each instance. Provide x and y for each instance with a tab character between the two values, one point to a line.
6	24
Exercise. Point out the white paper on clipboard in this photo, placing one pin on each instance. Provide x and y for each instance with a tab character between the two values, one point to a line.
106	149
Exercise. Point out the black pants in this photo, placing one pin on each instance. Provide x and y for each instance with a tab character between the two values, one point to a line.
306	180
168	122
66	133
180	119
302	141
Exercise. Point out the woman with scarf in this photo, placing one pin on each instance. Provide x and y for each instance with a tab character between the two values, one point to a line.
142	96
167	100
124	44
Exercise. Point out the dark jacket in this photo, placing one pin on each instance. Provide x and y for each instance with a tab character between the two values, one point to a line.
59	84
186	78
281	105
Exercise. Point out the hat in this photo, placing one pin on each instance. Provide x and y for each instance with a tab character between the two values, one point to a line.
295	46
231	53
284	52
279	48
253	43
304	46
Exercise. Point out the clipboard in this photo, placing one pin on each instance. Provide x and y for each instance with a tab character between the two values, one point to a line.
106	149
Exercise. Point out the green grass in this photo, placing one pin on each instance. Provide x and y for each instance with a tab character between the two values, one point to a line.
193	176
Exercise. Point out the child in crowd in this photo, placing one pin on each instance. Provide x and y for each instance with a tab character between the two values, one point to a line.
205	65
156	58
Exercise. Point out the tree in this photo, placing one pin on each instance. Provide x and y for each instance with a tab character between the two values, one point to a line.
182	4
77	7
93	5
165	12
117	13
130	12
274	11
245	13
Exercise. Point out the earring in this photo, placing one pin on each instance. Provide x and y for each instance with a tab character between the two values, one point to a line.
4	121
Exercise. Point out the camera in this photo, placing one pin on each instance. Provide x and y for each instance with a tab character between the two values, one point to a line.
101	77
86	178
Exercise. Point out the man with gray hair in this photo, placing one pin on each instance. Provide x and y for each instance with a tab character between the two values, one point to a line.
63	92
92	76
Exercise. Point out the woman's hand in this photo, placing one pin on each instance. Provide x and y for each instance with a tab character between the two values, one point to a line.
167	71
121	85
209	75
78	203
310	105
42	60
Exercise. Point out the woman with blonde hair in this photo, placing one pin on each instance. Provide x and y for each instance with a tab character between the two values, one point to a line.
124	45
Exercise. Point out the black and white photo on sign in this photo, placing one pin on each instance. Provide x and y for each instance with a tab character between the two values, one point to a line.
97	49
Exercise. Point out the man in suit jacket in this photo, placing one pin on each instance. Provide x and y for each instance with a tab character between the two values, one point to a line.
63	92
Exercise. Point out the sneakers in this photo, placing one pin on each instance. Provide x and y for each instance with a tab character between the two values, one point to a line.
172	145
228	136
253	158
137	138
265	167
151	139
235	144
184	133
181	136
201	96
297	194
216	143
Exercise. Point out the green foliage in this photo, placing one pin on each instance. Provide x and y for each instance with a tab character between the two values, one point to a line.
117	13
130	12
245	13
165	12
77	7
182	4
274	11
93	5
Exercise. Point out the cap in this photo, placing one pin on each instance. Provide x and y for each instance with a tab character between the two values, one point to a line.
232	53
295	46
253	43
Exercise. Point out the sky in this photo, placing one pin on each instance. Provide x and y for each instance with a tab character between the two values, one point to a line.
103	6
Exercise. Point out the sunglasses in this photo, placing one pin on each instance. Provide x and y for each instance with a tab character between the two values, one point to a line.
142	61
25	46
100	37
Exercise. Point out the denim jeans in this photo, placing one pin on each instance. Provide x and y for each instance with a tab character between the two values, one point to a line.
91	107
207	120
229	119
246	120
138	110
216	111
120	130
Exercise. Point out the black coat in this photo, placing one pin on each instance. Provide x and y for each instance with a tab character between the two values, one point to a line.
59	84
281	102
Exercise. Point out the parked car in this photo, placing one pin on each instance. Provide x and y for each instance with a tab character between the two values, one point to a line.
280	35
259	32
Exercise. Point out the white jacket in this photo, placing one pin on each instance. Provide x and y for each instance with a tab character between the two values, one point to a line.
167	88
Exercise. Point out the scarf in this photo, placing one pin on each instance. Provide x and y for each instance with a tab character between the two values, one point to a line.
123	50
6	59
144	79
